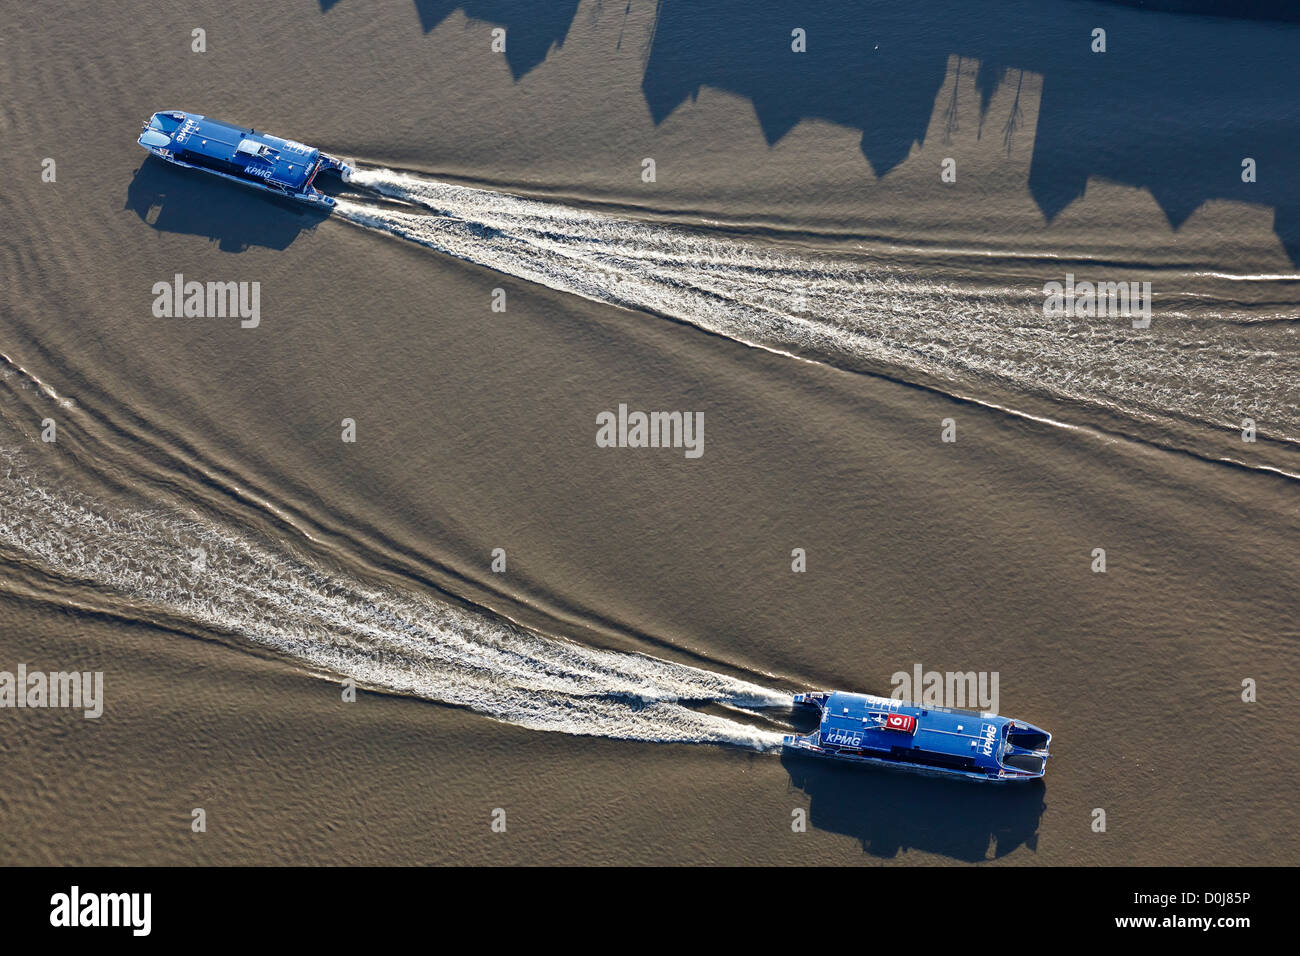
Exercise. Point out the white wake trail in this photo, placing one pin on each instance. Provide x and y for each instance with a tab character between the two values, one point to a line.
814	306
407	643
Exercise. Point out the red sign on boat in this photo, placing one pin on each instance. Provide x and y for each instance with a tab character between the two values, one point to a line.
904	722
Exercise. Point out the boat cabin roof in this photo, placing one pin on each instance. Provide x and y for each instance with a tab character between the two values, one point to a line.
857	721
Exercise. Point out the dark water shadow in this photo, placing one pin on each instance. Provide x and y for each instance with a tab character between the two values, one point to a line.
1174	105
1286	10
532	27
172	199
892	811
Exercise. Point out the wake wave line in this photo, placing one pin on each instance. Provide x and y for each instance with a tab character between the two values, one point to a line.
190	568
1209	371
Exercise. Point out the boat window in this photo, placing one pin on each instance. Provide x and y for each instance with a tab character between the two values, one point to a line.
165	122
1026	762
251	147
1029	739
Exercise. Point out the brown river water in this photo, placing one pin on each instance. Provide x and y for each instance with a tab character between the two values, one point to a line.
798	274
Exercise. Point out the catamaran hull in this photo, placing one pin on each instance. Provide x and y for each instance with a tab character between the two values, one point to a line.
257	160
930	741
905	767
313	198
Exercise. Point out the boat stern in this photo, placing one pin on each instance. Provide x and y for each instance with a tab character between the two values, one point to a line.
806	741
342	168
325	164
315	197
817	700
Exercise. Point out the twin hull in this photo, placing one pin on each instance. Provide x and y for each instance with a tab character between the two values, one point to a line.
860	728
282	167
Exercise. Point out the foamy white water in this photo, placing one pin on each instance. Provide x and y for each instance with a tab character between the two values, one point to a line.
1212	371
405	643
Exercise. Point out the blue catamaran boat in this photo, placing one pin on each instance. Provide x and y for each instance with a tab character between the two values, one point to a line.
936	740
275	165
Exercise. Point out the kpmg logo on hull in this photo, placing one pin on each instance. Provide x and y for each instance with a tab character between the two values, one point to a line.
187	129
210	300
989	739
840	738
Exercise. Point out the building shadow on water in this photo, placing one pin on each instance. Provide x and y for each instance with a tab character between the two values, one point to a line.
172	199
891	811
533	27
1174	104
